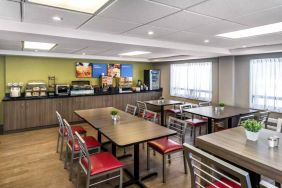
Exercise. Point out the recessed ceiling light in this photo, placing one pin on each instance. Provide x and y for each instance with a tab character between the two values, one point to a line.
87	6
134	53
83	53
244	46
206	41
36	50
38	45
255	31
57	18
151	32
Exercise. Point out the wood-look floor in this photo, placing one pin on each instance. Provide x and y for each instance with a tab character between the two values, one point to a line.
29	159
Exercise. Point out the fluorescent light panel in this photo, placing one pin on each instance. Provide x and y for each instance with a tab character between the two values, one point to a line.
87	6
255	31
38	45
134	53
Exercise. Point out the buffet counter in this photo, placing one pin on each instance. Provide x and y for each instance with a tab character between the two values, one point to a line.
31	112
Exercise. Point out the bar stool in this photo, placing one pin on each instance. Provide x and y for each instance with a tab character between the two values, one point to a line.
62	133
166	146
72	147
97	165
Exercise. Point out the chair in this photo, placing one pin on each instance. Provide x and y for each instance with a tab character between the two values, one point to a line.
244	118
175	111
274	124
263	117
97	165
62	133
166	146
141	107
131	109
72	146
209	171
150	115
182	108
264	184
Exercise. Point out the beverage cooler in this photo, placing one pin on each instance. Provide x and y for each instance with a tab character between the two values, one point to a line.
152	79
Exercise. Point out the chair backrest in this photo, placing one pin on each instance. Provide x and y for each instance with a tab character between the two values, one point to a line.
263	117
208	103
182	107
141	107
131	109
150	115
61	123
70	134
179	126
206	169
264	184
244	118
84	157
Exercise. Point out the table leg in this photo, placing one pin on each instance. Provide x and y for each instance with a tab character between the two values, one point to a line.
229	122
162	116
255	179
114	149
99	137
277	184
209	125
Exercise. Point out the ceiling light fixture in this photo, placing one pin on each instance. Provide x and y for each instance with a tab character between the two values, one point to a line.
38	45
134	53
83	53
255	31
206	41
244	46
151	33
86	6
57	18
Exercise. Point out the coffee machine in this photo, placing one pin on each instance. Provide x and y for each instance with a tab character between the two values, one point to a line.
15	89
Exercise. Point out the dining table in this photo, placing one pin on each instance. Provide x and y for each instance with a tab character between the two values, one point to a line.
257	157
128	130
162	104
216	113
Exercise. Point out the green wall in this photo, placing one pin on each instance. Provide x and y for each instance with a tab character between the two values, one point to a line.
24	69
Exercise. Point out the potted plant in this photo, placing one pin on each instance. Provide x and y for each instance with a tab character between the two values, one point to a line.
114	114
221	105
252	128
162	99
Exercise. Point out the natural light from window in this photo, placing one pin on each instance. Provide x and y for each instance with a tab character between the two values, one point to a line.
191	80
266	84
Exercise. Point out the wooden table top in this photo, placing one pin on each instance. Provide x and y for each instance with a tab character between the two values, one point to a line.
163	102
135	132
233	146
101	117
229	111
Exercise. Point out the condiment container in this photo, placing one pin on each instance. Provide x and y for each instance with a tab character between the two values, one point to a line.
273	141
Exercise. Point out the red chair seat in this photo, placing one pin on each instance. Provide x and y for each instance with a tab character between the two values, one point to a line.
90	142
74	129
228	182
149	115
165	145
175	111
205	119
196	122
101	162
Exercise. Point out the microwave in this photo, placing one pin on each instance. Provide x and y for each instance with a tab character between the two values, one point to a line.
62	90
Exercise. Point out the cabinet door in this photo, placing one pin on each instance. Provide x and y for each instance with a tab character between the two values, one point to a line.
33	113
14	115
49	108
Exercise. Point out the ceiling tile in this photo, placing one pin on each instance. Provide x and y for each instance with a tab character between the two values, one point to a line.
185	37
143	31
43	15
10	10
10	45
217	28
179	3
268	16
230	9
137	11
102	24
98	47
183	20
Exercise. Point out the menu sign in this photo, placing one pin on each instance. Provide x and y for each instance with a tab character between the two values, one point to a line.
99	70
114	70
83	70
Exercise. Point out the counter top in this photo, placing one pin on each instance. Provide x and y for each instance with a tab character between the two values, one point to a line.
7	98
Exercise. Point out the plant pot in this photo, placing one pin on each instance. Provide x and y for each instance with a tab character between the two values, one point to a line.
253	136
114	117
221	108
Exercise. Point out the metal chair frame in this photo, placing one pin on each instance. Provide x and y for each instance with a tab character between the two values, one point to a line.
244	118
70	149
263	117
207	103
131	109
205	168
180	127
141	107
85	154
153	119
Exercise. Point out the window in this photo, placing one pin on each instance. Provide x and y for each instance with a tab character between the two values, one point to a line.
266	84
191	80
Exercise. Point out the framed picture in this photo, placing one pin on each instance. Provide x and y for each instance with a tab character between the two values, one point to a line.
114	70
83	70
99	70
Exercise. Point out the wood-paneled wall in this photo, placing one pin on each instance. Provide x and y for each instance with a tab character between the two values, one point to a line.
24	114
